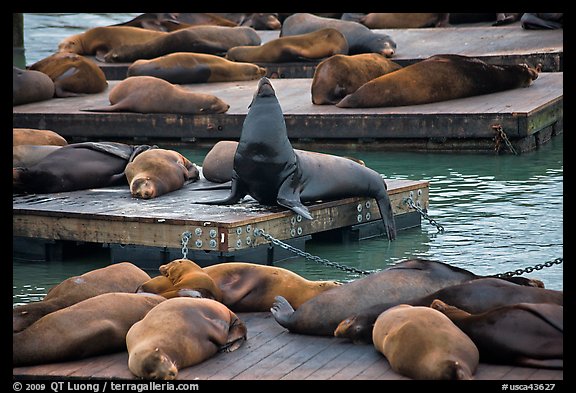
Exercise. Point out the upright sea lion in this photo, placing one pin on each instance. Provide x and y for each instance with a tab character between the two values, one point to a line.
422	343
474	296
157	172
148	94
72	74
179	333
522	334
439	78
315	45
248	287
30	86
91	327
119	277
400	283
340	75
185	275
187	67
360	38
214	40
404	20
34	136
267	168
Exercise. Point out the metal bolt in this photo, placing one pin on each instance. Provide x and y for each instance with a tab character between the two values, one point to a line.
212	243
213	233
368	215
368	204
299	231
359	207
238	230
359	218
198	231
198	243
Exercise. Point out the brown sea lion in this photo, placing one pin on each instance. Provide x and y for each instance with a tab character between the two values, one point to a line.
28	155
360	38
163	21
315	45
439	78
157	172
185	275
72	74
33	136
214	40
404	20
522	334
148	94
258	21
422	343
187	67
119	277
340	75
248	287
100	40
30	86
91	327
474	296
179	333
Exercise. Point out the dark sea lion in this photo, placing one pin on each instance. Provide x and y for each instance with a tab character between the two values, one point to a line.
397	284
522	334
72	74
119	277
248	287
28	155
340	75
157	172
77	166
258	21
422	343
315	45
360	38
404	20
475	296
148	94
179	333
30	86
187	67
215	40
439	78
267	168
91	327
34	136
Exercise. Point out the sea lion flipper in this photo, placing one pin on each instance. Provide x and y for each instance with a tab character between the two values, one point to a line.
282	311
289	196
237	192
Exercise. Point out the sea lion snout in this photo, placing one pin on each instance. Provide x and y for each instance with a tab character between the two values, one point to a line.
265	87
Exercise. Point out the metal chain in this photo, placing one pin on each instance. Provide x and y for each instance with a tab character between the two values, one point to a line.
538	266
304	254
410	202
185	238
501	136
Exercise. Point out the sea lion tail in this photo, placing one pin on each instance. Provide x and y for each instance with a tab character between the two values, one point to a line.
282	311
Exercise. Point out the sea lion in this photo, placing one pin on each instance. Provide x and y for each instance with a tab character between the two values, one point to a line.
248	287
400	283
91	327
404	20
522	334
148	94
360	38
422	343
267	168
119	277
77	166
157	172
185	276
439	78
315	45
100	40
185	68
474	296
340	75
179	333
72	74
30	86
163	21
28	155
33	136
258	21
215	40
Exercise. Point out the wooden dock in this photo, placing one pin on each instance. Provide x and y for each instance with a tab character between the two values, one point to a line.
273	353
528	117
494	44
112	216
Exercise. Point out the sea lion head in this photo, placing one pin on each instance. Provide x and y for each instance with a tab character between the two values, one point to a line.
356	328
144	187
152	365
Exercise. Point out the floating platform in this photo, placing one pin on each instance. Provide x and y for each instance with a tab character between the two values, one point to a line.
527	118
154	228
273	353
509	44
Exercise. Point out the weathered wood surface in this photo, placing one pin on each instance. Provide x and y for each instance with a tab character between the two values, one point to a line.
273	353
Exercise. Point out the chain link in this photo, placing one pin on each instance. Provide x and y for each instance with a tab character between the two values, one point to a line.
185	239
501	136
530	269
410	202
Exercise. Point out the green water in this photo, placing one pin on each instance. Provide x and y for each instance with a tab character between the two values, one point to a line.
500	212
